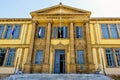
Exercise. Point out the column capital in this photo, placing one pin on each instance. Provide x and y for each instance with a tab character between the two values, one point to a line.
87	21
50	21
71	21
35	22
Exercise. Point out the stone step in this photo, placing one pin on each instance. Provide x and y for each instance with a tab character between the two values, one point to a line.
58	77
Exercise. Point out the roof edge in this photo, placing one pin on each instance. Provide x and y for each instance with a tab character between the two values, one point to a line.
58	5
104	18
15	19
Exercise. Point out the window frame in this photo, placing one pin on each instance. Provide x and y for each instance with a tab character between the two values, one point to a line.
109	31
21	27
115	58
77	57
117	63
35	56
82	26
76	32
6	33
4	57
13	62
13	26
37	33
57	32
3	30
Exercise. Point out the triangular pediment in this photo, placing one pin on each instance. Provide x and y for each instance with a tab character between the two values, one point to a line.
61	9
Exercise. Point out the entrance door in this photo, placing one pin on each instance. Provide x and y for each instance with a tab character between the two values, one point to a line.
59	63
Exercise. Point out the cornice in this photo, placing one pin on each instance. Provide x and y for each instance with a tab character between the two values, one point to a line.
105	19
15	19
60	6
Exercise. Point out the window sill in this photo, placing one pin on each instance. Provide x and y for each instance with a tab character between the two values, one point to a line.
110	38
79	38
59	38
6	66
37	64
10	39
112	67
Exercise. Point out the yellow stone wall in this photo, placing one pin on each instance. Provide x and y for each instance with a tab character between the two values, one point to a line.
99	44
22	44
92	42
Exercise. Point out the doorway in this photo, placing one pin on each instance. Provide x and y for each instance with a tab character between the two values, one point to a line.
59	61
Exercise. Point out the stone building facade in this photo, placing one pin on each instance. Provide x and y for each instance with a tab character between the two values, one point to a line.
60	39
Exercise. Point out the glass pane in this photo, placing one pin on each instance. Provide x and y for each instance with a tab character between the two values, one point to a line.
65	32
8	32
105	32
118	56
41	32
113	30
119	27
1	30
16	31
10	57
59	32
54	32
78	32
39	56
2	56
80	57
110	57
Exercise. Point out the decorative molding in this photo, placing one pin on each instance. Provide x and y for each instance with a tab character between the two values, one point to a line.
15	19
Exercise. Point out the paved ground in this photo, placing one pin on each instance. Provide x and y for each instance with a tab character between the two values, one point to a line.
58	77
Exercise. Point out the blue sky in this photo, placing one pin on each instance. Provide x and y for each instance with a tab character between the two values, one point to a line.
22	8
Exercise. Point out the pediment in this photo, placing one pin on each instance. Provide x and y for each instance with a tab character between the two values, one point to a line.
60	9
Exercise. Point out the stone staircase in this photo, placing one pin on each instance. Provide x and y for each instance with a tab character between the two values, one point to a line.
57	77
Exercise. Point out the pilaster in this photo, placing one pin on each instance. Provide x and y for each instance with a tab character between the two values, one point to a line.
45	68
72	52
27	68
90	61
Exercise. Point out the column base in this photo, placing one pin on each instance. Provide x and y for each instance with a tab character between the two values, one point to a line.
45	68
72	68
91	68
27	68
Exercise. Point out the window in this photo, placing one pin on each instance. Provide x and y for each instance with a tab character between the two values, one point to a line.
16	31
110	57
8	31
113	30
41	32
118	56
110	31
54	33
1	30
60	32
39	57
119	28
80	57
65	34
10	57
2	56
105	32
79	32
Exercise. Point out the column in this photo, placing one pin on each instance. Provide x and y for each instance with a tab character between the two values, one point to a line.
27	68
45	68
72	52
90	61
